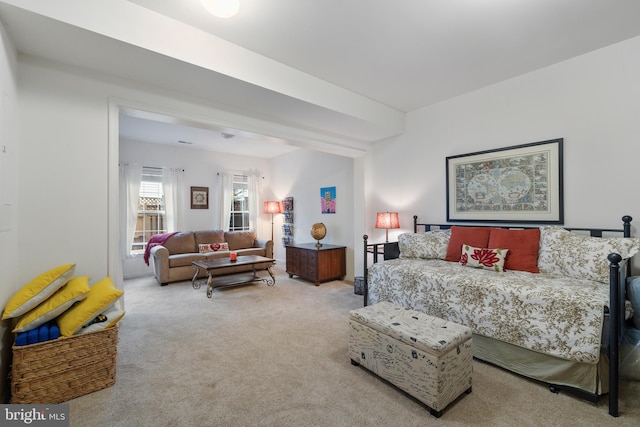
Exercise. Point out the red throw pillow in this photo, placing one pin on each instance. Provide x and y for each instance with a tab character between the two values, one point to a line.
523	247
472	236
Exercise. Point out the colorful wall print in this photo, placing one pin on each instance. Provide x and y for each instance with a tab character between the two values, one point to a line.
328	200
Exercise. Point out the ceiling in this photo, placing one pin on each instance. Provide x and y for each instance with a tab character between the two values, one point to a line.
412	53
332	75
136	125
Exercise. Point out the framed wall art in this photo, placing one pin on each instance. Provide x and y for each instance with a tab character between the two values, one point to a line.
522	183
328	200
199	197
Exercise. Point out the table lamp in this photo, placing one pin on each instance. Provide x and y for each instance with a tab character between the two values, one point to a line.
387	220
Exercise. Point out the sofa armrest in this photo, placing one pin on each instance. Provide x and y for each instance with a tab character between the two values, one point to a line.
267	245
160	259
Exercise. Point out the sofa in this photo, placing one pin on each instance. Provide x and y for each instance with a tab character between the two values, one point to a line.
535	298
172	259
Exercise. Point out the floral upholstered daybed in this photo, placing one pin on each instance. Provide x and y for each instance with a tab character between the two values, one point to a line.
535	298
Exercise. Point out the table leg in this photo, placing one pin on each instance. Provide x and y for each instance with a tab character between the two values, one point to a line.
194	283
273	278
267	281
209	285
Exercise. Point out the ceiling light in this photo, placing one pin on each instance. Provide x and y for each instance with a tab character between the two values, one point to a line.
222	8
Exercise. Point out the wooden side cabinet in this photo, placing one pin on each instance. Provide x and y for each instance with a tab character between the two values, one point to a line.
316	264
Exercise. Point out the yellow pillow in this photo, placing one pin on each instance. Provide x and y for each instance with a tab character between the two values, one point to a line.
37	290
101	295
111	316
75	290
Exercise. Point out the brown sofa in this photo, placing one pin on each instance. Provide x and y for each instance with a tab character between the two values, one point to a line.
172	260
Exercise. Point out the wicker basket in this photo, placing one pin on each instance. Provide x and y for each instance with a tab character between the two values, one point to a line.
63	369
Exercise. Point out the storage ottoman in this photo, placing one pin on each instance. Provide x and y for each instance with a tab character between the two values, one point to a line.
427	357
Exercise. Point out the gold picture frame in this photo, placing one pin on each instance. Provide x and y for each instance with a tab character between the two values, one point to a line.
199	197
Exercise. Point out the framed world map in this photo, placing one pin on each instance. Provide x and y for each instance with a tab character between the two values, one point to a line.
522	183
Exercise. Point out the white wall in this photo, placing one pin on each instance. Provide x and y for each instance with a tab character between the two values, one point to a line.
200	170
68	164
9	152
62	172
592	101
301	174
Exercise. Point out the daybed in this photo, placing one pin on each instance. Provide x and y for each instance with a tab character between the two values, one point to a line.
173	254
536	306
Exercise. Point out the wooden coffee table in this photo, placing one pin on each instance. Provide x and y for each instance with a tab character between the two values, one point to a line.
232	279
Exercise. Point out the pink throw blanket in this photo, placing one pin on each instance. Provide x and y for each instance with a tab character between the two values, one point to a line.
155	240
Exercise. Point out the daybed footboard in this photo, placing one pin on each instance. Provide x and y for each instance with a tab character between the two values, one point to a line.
617	290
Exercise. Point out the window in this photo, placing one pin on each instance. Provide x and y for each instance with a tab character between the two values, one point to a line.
151	209
240	204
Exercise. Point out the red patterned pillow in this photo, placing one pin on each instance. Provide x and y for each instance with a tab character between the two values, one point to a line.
474	236
213	247
488	259
523	247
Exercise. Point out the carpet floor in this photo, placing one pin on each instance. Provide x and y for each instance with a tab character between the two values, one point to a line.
261	355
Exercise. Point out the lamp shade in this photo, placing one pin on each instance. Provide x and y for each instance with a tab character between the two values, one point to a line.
387	220
272	207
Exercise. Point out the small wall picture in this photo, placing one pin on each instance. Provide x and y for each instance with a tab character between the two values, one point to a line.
199	197
328	200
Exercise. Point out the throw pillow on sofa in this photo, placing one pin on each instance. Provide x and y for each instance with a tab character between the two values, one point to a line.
570	254
429	245
240	239
487	259
204	248
473	236
181	243
209	236
523	247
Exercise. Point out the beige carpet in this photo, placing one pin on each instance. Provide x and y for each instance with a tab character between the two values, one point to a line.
276	356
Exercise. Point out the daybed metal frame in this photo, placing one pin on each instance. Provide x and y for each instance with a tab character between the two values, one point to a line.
618	272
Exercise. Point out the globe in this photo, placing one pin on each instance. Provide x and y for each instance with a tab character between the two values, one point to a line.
318	231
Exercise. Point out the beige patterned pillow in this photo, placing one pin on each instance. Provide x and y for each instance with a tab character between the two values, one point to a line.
212	247
582	257
487	259
429	245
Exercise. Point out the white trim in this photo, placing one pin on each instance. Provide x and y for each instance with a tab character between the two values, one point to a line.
114	263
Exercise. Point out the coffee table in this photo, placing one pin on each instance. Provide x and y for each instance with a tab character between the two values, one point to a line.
232	279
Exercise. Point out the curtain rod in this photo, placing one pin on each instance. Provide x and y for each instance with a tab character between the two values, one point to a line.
147	167
241	173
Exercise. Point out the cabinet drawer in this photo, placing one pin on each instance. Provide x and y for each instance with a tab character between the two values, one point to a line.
316	264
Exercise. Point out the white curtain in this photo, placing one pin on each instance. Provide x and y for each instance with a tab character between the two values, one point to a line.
254	204
130	177
225	192
173	198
